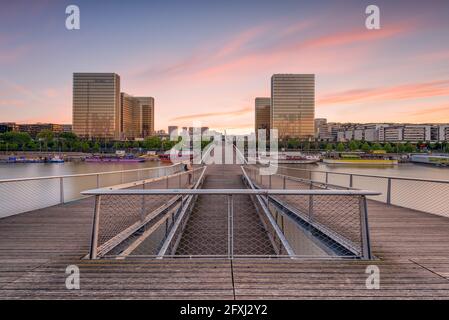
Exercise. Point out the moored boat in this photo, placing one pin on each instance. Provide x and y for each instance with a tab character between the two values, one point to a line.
125	159
361	159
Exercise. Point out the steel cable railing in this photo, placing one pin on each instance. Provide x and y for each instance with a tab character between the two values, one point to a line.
426	195
27	194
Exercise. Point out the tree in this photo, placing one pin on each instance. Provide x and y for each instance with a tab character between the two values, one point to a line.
329	147
293	143
46	136
96	147
152	143
388	148
340	147
408	147
365	147
353	145
18	140
85	146
376	146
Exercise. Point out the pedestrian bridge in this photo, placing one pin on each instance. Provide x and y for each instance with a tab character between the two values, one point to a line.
224	231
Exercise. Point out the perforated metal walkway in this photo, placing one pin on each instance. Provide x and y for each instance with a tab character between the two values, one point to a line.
207	230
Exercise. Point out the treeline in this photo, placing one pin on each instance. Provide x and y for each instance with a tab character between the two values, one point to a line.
354	145
48	141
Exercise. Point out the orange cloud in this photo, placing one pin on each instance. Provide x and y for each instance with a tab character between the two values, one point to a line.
400	92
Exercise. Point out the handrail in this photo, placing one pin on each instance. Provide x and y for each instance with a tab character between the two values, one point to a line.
366	175
86	174
229	192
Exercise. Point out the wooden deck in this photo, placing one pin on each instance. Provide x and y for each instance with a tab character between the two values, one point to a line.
36	247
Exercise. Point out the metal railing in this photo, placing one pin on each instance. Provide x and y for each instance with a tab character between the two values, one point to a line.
426	195
27	194
336	222
120	221
229	223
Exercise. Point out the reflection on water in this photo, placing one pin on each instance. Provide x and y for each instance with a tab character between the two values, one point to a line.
408	170
27	170
432	197
23	196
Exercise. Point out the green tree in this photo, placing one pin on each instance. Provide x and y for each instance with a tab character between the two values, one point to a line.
409	148
46	136
19	140
376	146
340	147
84	146
293	143
366	147
353	145
388	148
96	147
329	147
152	143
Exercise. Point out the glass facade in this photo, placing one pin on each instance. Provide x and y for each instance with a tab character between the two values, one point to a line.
96	105
147	104
293	105
262	114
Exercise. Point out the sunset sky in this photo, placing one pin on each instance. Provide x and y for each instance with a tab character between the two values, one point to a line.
207	60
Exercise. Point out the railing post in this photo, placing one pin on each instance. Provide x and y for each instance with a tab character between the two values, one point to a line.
166	182
327	177
61	190
366	246
389	191
98	181
230	227
311	206
179	180
95	228
269	181
284	185
143	209
350	181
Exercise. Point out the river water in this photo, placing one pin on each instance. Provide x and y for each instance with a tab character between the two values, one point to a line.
26	170
429	197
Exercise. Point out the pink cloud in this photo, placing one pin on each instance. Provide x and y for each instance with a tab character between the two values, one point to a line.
286	49
398	92
239	41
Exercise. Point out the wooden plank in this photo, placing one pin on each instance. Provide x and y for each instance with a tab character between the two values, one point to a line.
36	247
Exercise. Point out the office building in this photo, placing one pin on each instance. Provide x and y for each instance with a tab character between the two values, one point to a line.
8	126
96	105
443	133
415	133
34	129
391	134
262	115
147	115
131	117
293	105
173	130
66	128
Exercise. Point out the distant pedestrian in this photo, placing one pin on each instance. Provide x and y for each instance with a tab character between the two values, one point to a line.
188	168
